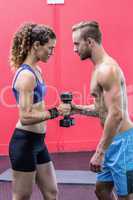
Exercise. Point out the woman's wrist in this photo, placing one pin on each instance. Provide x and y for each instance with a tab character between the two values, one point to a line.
53	112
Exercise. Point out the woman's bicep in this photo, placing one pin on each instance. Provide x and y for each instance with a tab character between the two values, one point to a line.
25	100
26	88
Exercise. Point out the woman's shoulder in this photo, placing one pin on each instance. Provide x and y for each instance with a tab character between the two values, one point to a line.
24	76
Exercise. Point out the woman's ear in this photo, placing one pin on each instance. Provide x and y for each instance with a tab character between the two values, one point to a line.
36	45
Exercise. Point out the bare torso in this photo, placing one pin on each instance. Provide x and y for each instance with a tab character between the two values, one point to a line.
98	93
38	127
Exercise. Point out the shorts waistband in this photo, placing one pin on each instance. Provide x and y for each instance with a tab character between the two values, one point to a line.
29	133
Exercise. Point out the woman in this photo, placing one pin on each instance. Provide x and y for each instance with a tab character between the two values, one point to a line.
28	153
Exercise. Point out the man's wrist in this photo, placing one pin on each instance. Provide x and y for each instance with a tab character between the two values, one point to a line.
100	151
75	109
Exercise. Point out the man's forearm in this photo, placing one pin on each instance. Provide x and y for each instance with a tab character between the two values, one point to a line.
92	113
87	110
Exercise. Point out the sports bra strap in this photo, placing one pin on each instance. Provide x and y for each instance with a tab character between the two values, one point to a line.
24	66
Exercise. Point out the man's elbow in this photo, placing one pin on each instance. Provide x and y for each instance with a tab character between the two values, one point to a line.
117	116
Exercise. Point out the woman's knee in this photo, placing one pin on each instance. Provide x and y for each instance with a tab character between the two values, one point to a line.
22	196
52	193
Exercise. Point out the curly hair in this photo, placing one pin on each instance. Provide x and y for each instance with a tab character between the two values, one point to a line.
24	38
90	29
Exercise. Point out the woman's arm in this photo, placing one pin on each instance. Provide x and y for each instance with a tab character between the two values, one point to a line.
25	85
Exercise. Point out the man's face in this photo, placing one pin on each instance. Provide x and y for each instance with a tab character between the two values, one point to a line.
45	51
81	46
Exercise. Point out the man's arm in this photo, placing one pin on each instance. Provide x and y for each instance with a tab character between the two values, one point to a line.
88	110
113	98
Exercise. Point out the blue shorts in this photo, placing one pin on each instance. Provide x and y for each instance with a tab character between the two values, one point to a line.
118	163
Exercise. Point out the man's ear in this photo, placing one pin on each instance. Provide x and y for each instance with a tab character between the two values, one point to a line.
36	45
90	41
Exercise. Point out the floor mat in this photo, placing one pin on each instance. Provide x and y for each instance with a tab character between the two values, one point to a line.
63	176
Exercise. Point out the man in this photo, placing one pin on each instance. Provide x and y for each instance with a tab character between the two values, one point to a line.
113	159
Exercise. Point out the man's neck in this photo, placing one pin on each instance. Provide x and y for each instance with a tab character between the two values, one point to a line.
98	55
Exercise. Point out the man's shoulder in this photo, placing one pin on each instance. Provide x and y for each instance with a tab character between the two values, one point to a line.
108	68
108	62
108	73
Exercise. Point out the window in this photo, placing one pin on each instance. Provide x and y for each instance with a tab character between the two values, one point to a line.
55	1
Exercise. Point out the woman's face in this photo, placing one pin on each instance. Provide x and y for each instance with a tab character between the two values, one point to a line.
44	52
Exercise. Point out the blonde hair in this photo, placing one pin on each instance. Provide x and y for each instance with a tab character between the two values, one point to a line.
90	29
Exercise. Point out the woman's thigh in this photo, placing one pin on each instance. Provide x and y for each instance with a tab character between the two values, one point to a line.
46	178
23	182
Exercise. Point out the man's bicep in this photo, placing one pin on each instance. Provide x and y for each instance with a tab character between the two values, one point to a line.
111	84
113	97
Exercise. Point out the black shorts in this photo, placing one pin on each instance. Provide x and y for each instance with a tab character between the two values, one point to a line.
26	150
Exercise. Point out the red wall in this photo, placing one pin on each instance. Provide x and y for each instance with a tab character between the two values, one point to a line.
65	71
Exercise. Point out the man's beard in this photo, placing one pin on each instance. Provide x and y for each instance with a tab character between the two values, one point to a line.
86	55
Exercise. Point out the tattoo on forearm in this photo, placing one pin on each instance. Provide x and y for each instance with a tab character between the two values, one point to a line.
89	113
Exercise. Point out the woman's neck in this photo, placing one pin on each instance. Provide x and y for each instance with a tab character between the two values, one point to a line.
31	61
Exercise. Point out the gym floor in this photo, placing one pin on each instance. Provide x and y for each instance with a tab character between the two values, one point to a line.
62	161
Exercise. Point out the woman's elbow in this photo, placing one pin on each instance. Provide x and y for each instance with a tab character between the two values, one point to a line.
24	119
24	122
